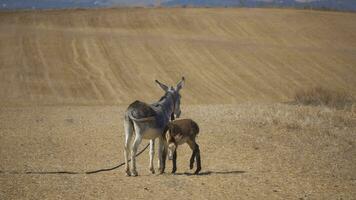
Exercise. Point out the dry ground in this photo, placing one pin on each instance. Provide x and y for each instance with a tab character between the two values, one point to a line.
248	152
67	76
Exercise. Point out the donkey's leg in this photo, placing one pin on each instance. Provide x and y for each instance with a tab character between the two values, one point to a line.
160	152
137	141
192	146
197	159
192	158
152	153
195	155
128	136
174	161
164	157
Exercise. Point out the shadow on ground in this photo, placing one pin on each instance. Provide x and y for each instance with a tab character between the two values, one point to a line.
211	172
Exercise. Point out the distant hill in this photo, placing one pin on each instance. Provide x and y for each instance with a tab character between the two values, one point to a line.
349	5
317	4
60	4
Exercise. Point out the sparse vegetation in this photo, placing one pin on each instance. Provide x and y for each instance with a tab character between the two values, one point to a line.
319	96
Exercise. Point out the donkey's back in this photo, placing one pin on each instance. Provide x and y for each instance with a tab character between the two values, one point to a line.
184	128
140	110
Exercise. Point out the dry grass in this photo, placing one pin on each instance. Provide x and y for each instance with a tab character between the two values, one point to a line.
281	116
320	96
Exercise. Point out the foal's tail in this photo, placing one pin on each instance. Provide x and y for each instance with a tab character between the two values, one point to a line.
195	127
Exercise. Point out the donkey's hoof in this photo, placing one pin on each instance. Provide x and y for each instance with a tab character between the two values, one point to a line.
134	173
161	170
128	173
197	171
152	171
191	165
174	171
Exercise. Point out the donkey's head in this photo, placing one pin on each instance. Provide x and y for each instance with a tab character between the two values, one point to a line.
175	94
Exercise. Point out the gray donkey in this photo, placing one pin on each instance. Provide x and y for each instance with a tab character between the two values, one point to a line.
148	121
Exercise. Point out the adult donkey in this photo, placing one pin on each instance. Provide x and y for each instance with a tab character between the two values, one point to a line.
149	121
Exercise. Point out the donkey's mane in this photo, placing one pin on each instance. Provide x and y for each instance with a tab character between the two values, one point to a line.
165	96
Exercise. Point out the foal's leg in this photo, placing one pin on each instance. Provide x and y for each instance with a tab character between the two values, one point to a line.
137	141
197	159
191	162
192	146
174	161
152	153
128	136
195	155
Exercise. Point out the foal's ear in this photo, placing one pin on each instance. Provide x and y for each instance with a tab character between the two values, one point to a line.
180	84
163	86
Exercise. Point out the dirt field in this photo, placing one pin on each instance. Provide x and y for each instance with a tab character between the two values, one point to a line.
66	78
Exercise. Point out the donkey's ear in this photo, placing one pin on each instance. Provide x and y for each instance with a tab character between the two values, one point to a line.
163	86
180	84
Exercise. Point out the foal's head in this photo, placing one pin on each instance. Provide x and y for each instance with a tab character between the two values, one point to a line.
172	134
175	93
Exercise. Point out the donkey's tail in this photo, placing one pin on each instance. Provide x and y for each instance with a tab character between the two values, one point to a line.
151	118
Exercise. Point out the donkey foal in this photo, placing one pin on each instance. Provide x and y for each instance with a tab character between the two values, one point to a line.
177	133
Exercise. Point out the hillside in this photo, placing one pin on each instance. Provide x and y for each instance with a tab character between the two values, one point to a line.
346	5
112	56
341	5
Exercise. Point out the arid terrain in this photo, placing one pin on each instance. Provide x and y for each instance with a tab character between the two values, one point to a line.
66	77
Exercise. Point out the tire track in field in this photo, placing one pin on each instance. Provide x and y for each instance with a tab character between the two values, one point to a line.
45	69
227	55
82	66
